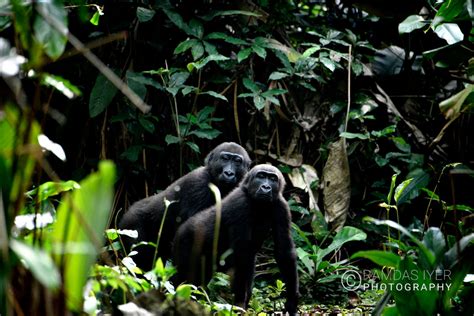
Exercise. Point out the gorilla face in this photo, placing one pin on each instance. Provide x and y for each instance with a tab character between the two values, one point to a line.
265	183
227	164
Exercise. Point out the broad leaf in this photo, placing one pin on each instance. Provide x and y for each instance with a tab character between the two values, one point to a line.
207	134
38	262
52	40
276	75
185	45
450	32
77	235
215	95
382	258
411	23
170	139
244	54
249	84
101	96
144	14
400	189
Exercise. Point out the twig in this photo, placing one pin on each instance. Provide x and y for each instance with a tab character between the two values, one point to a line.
94	60
348	87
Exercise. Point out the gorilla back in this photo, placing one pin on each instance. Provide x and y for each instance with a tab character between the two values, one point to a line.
224	166
248	214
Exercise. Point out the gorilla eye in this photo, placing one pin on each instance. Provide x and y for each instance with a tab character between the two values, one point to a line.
274	178
260	175
225	157
238	159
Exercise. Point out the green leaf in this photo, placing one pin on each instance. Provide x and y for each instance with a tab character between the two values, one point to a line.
49	189
259	102
382	258
392	187
411	23
196	28
206	133
272	100
215	95
214	14
276	75
200	64
95	18
194	147
38	262
226	38
177	20
434	240
328	63
170	139
419	180
243	54
52	40
346	234
101	96
399	190
310	51
136	85
177	79
272	92
450	32
185	45
132	153
260	51
425	251
62	85
249	84
147	125
354	135
184	291
144	14
82	219
197	51
449	10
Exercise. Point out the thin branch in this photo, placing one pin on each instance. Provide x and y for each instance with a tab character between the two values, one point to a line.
94	60
348	87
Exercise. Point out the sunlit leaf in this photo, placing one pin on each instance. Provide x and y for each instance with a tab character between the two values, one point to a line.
450	32
62	85
38	262
411	23
276	75
77	235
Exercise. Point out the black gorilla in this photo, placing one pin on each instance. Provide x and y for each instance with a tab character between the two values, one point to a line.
248	214
224	166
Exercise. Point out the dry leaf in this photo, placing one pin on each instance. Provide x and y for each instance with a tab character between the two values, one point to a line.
337	185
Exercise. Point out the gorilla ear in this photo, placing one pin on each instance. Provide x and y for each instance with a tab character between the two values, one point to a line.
209	158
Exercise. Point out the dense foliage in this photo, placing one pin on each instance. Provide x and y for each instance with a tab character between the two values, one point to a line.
365	106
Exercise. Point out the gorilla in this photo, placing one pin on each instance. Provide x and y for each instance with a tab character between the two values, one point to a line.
246	217
225	166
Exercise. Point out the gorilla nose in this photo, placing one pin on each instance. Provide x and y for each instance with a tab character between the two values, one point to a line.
229	174
266	188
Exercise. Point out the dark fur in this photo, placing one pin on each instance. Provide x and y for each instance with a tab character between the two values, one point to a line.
190	194
247	218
